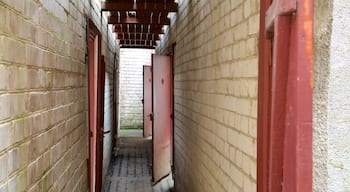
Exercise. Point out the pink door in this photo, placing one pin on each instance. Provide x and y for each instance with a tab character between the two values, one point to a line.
147	101
162	122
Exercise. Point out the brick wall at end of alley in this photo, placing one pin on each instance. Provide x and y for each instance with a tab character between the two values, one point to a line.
131	86
216	70
43	93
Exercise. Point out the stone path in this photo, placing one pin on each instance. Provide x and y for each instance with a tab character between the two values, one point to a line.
131	170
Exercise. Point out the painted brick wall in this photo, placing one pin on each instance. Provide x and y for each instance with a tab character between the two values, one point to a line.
43	94
131	86
216	70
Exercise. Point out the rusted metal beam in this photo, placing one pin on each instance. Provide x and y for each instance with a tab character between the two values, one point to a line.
138	6
139	20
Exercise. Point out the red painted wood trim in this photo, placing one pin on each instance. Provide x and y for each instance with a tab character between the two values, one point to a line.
278	100
94	117
264	85
279	8
298	151
100	114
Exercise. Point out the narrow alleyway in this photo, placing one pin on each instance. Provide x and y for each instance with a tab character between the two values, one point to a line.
131	170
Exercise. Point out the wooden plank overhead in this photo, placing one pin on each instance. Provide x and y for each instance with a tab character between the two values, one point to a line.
168	6
138	42
138	20
138	23
138	28
143	36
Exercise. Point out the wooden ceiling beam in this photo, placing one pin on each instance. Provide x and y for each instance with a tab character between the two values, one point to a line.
139	13
139	6
138	36
136	47
138	29
138	20
137	42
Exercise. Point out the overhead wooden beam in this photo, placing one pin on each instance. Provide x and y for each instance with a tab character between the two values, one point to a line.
138	42
139	6
139	20
139	13
138	29
137	47
138	36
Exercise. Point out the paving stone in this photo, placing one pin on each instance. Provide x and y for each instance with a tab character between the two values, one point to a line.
131	170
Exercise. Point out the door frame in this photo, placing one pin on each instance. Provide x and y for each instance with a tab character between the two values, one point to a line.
95	106
115	96
284	154
170	51
145	101
100	130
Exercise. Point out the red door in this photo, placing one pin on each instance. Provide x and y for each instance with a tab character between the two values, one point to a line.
285	96
162	122
147	101
96	93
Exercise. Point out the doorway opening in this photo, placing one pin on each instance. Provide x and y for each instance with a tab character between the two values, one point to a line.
96	107
285	96
144	156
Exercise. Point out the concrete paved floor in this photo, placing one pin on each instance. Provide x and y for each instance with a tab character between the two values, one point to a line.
130	133
131	170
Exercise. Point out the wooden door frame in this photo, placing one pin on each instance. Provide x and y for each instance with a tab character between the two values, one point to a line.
144	101
170	51
284	154
100	114
115	96
94	34
264	102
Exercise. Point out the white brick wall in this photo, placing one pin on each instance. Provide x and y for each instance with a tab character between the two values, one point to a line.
43	94
216	70
131	86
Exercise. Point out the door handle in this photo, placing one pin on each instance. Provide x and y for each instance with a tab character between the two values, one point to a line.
150	116
103	133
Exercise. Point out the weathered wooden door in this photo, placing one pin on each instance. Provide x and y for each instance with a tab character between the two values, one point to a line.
100	130
147	101
96	93
162	121
285	96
